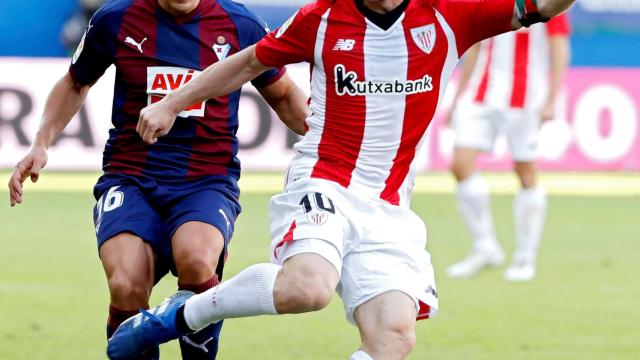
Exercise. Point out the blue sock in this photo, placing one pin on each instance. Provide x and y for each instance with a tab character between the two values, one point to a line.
202	345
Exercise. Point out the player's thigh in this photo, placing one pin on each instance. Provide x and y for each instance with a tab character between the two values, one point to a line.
307	281
129	264
197	248
129	232
308	228
522	130
200	224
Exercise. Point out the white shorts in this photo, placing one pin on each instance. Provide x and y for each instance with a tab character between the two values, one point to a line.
477	127
376	247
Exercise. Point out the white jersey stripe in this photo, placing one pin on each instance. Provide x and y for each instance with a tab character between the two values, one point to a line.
307	151
382	133
449	66
452	56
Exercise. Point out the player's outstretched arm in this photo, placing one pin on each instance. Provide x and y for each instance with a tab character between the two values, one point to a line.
466	71
289	102
218	79
63	102
560	53
546	10
551	8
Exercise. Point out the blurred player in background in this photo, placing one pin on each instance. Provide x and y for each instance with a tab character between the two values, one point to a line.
509	84
74	28
379	68
170	205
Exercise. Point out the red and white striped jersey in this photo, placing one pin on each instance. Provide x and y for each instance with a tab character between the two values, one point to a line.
513	68
374	91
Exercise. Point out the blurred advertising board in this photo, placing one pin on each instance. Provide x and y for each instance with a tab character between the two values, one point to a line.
597	127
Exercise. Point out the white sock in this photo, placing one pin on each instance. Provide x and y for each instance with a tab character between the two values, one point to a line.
529	214
474	204
250	293
360	355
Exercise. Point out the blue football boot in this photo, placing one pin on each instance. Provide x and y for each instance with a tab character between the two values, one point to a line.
145	331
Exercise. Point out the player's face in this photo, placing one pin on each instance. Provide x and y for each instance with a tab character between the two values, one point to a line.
382	6
178	7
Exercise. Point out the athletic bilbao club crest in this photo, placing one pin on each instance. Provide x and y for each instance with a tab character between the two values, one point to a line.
425	37
317	218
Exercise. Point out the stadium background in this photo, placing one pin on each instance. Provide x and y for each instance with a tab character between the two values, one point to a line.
583	304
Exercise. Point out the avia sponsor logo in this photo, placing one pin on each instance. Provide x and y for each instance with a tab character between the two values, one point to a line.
161	80
347	84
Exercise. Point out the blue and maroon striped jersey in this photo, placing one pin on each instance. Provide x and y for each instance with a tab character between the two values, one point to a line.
155	53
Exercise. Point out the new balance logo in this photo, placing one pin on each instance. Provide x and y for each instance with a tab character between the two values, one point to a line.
344	45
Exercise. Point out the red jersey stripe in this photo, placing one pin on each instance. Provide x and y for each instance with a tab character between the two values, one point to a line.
559	25
285	239
484	82
520	70
341	142
416	117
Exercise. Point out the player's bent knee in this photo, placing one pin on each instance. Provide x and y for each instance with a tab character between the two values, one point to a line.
461	169
392	341
197	266
313	293
127	291
405	337
196	251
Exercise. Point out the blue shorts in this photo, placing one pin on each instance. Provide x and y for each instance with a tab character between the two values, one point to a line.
153	210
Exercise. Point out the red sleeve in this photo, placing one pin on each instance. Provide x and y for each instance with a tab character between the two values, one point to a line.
294	41
559	25
475	20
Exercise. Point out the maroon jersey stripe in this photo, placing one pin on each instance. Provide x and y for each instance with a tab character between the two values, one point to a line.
129	151
213	150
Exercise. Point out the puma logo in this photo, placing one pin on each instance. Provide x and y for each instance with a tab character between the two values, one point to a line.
202	346
226	219
129	40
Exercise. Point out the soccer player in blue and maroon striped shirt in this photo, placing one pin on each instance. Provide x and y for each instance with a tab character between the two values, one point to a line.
170	205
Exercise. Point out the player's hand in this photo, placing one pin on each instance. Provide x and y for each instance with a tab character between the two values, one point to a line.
447	119
548	111
29	166
156	120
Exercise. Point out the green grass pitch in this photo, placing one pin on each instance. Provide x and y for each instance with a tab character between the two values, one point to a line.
585	303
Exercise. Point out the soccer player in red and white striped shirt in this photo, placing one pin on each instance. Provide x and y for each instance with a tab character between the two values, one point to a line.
509	84
378	71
